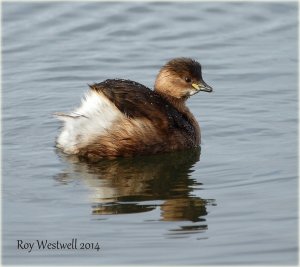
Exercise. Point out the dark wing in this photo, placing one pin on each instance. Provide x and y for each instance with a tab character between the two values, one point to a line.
137	101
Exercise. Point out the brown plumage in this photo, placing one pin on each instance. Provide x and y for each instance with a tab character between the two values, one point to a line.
125	118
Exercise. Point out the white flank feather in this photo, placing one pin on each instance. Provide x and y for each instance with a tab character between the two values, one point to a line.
95	115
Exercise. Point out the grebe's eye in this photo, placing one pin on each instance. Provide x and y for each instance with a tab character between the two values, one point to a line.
188	80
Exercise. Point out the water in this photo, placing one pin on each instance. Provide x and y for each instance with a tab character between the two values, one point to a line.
234	204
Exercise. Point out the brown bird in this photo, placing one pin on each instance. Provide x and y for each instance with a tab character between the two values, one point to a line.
125	118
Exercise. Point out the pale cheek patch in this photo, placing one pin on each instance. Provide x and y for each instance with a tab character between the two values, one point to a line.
91	120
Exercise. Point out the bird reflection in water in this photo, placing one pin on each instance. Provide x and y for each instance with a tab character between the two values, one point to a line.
141	184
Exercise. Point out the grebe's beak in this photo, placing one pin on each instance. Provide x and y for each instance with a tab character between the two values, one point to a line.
202	86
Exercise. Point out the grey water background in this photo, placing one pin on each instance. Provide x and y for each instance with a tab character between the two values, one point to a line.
234	204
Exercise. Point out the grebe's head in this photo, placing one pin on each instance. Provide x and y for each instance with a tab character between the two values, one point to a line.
181	78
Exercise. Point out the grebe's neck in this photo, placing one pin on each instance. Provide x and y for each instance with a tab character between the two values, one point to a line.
178	103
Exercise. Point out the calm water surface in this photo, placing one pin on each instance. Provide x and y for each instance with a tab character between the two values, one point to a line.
236	203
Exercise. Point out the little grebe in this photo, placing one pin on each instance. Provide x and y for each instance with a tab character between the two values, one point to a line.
124	118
